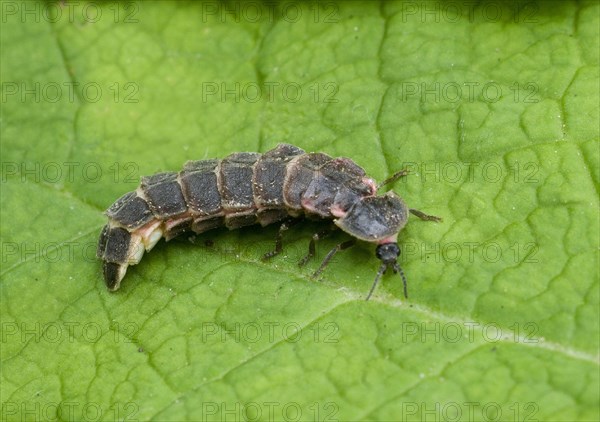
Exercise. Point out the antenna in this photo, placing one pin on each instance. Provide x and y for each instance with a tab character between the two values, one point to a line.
381	271
397	269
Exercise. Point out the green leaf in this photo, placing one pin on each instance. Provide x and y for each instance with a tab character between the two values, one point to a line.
492	105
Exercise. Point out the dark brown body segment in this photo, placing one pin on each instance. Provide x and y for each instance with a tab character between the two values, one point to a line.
200	188
269	172
338	182
112	274
114	245
235	187
300	174
102	242
117	245
130	211
375	218
163	194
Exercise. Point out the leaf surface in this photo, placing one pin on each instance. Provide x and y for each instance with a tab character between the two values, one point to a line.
494	109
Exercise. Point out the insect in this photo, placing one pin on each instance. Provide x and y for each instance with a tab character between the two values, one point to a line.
245	188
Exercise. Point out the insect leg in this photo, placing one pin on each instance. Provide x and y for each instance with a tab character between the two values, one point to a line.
289	222
424	216
336	249
394	177
311	246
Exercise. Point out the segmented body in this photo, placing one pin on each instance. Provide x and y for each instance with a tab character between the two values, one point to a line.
243	189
